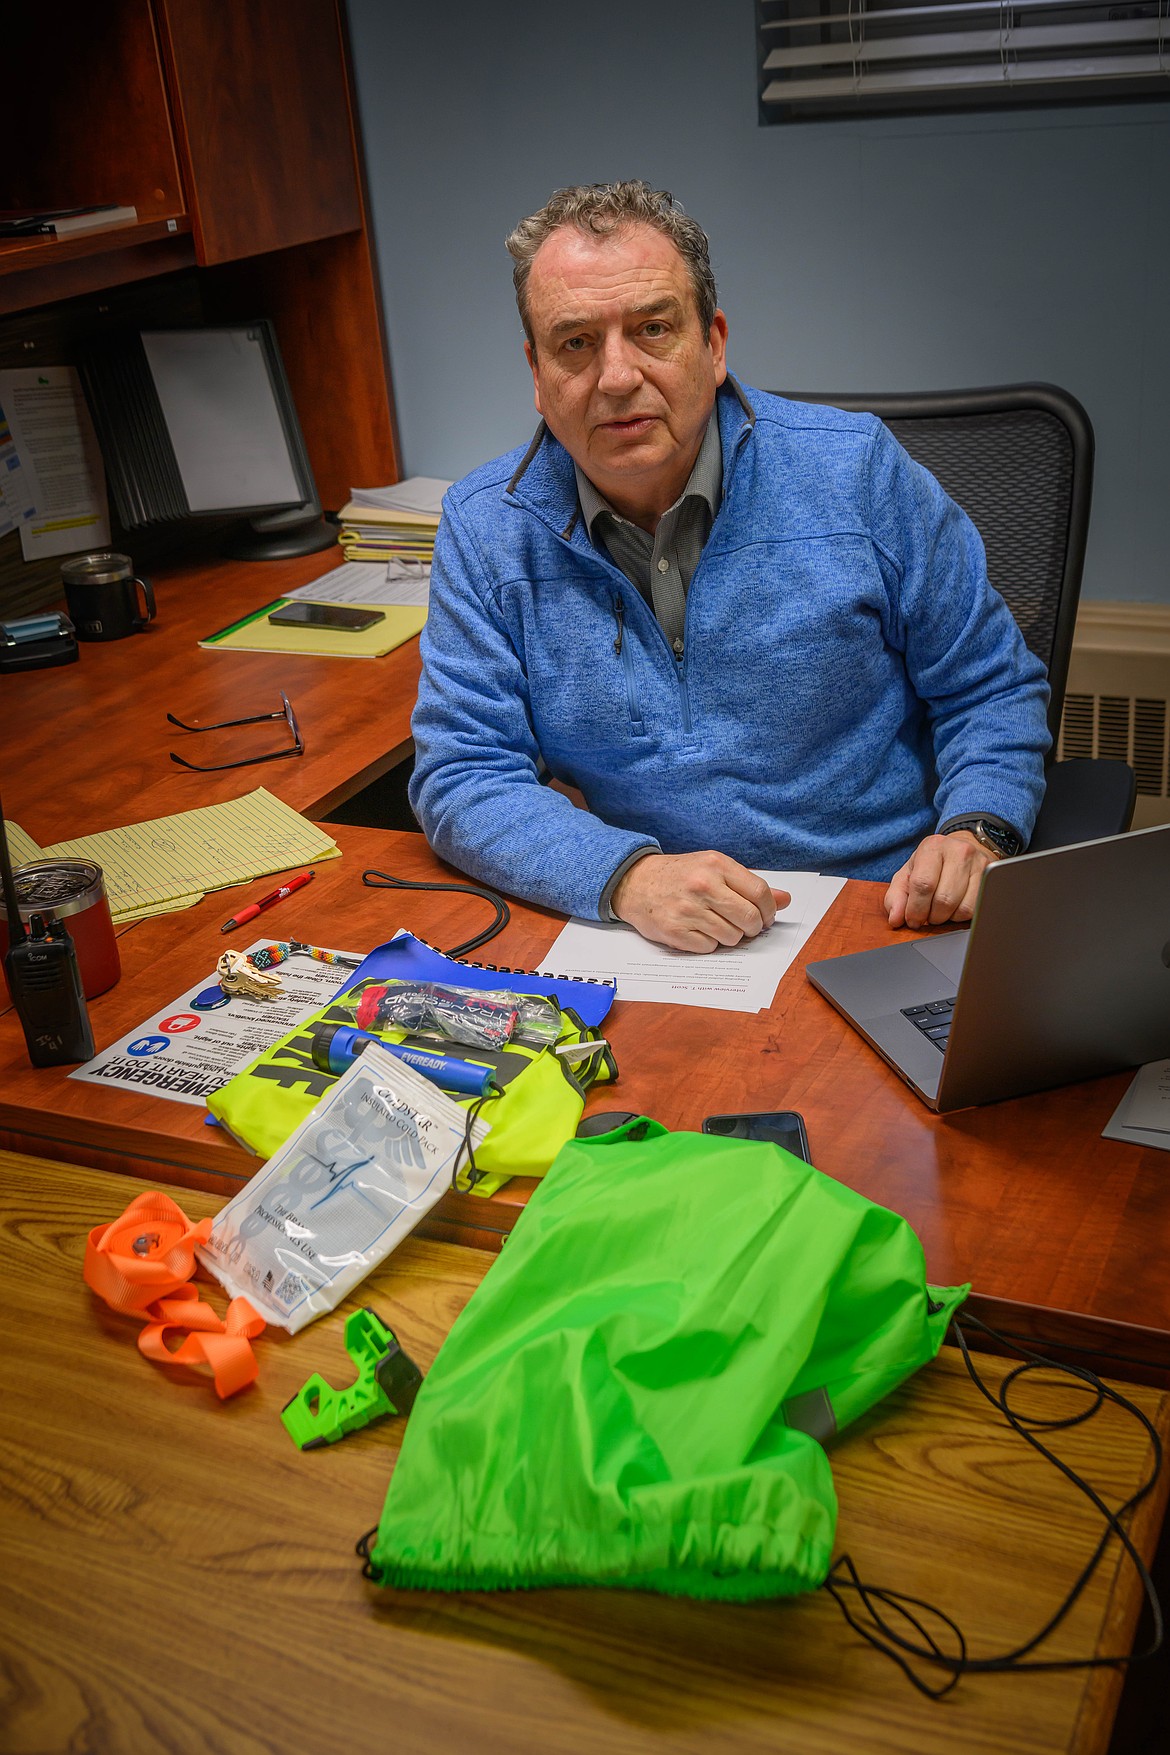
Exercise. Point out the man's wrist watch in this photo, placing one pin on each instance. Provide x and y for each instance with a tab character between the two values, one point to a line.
996	837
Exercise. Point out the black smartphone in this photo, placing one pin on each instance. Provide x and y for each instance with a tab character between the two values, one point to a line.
783	1127
341	616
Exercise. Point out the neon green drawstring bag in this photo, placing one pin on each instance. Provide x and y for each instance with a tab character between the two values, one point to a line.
631	1395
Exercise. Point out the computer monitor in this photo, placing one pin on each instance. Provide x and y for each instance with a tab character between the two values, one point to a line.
199	424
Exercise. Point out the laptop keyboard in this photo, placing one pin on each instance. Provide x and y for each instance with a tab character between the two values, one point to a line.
933	1019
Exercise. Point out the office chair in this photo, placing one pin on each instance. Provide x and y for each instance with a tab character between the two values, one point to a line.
1019	460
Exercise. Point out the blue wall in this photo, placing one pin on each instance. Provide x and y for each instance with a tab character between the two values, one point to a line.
886	255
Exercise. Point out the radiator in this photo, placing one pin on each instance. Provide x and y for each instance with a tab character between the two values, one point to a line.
1117	702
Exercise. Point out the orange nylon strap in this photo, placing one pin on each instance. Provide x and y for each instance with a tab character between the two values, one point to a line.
225	1346
146	1254
141	1265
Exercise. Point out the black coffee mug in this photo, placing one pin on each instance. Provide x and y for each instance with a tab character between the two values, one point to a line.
102	593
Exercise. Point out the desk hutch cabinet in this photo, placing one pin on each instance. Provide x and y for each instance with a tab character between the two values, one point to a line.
229	125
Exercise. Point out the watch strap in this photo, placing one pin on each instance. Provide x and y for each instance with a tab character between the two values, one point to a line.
998	837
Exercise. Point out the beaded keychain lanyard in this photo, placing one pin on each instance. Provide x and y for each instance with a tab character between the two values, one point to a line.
268	956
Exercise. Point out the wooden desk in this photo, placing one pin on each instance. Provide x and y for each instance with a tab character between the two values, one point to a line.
86	747
176	1574
1023	1198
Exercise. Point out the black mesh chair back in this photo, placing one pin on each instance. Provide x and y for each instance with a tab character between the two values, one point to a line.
1019	460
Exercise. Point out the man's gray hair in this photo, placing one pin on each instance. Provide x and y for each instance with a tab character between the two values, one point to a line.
605	208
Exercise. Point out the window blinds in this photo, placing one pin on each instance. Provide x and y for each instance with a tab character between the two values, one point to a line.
823	58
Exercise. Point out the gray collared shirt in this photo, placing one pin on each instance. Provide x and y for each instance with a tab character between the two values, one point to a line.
661	566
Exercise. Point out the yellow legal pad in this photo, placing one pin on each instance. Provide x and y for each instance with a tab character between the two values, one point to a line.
257	634
172	862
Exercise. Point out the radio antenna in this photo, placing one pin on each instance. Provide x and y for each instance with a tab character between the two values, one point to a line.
16	926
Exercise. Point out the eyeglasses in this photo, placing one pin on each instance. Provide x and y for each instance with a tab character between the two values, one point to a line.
285	712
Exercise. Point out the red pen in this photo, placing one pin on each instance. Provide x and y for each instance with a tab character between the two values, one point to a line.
254	908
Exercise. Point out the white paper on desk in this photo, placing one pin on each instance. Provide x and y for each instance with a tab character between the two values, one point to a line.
1149	1097
373	584
740	979
184	1052
1143	1115
58	449
418	493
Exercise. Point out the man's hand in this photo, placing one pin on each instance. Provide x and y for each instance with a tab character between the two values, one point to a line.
939	882
695	901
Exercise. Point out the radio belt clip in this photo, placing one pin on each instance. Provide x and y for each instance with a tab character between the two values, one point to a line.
387	1383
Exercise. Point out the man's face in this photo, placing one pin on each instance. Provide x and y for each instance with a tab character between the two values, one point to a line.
623	375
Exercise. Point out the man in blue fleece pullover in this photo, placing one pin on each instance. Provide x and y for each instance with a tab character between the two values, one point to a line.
751	632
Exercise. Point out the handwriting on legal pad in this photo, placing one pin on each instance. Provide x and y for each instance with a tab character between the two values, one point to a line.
172	862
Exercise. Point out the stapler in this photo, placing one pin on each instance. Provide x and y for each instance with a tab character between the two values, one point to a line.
34	642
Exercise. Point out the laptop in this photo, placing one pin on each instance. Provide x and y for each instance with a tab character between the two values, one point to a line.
1064	974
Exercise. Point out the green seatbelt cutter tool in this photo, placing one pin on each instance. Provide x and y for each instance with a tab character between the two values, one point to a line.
387	1383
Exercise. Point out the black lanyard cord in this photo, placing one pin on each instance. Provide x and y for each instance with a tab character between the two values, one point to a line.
382	880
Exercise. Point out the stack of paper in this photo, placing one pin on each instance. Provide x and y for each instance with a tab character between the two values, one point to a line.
418	493
394	524
1143	1115
171	863
367	585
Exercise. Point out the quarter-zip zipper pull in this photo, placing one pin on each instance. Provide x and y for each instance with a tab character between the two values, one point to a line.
677	648
619	610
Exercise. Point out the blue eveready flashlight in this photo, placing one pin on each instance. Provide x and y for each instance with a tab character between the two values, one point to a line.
336	1046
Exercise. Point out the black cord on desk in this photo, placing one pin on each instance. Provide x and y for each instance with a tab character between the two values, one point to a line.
875	1600
382	880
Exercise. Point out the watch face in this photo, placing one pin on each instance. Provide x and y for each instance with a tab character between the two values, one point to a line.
1004	840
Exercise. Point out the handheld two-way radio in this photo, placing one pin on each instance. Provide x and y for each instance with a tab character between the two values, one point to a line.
43	979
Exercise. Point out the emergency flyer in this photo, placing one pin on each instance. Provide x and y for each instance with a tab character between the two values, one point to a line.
202	1039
